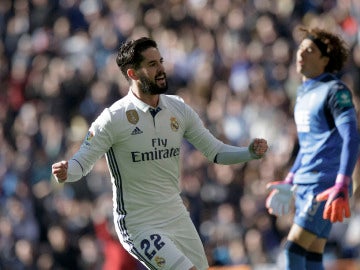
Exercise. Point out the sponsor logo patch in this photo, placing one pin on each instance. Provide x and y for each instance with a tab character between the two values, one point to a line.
89	137
136	131
344	99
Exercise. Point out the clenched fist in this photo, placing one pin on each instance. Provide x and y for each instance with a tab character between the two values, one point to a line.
59	170
258	148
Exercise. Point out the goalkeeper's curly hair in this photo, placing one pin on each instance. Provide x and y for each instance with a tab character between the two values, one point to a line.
334	47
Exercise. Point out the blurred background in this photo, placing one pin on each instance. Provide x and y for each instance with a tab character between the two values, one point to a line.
231	60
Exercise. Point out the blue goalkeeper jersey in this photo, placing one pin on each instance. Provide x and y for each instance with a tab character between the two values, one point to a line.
327	130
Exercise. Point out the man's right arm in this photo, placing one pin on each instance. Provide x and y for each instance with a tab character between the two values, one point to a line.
97	142
67	171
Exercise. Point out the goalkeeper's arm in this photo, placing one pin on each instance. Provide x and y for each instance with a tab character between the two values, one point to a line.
337	197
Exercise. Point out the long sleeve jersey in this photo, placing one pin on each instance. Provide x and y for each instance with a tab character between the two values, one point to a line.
143	156
327	130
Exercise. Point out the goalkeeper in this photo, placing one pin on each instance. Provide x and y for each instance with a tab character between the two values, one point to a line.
320	178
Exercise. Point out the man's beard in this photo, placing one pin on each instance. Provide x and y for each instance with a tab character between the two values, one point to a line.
148	87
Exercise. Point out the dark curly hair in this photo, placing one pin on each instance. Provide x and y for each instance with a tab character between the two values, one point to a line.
129	54
330	45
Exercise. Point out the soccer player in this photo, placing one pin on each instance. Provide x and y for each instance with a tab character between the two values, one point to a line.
141	135
327	133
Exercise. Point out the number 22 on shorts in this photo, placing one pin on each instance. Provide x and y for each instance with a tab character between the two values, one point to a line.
151	245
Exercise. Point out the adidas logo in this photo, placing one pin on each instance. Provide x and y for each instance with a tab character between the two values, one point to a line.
136	131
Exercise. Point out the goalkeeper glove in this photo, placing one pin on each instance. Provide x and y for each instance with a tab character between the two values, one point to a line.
279	200
337	199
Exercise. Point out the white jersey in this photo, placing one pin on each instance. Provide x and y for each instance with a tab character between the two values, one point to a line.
143	155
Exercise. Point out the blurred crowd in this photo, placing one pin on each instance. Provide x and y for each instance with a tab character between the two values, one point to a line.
231	60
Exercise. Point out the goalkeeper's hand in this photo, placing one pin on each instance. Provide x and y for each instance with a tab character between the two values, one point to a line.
279	200
337	199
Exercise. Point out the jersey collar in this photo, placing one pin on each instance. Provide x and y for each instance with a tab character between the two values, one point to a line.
142	105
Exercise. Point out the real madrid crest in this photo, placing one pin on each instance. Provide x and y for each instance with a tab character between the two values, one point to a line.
160	261
174	124
132	116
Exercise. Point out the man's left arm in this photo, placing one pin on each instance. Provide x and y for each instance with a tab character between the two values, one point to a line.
337	197
233	154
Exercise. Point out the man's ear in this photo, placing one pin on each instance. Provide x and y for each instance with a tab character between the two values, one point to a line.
132	74
326	60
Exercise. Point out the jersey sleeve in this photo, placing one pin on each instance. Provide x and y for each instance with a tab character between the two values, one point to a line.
199	136
96	143
212	148
232	155
343	112
340	105
349	151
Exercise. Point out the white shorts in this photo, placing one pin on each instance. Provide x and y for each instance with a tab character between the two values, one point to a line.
174	247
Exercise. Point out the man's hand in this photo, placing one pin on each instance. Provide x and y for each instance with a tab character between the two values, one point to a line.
59	170
258	148
337	200
279	200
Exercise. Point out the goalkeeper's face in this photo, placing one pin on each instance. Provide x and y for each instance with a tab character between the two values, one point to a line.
309	60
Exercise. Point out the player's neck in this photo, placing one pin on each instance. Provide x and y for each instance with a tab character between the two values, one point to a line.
151	100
